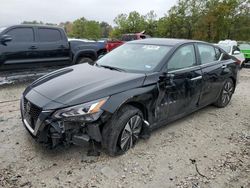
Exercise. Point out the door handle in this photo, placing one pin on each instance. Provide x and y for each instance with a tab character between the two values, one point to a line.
224	66
196	78
33	47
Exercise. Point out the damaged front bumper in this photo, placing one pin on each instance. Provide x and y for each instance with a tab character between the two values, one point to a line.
45	129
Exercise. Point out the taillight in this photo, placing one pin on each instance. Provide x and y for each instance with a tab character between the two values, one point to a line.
238	62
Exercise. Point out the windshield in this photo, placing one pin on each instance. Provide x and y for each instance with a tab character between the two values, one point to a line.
2	28
244	46
226	48
135	57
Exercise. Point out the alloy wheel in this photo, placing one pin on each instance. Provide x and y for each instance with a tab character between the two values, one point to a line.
130	133
227	92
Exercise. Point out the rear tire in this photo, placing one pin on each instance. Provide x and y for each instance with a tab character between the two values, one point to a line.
226	94
122	132
82	60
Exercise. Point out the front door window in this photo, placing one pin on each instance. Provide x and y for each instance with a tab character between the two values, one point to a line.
184	57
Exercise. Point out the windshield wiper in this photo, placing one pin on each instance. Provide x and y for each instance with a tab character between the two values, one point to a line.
111	68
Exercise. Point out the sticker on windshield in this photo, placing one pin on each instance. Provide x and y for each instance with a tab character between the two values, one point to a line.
151	47
148	66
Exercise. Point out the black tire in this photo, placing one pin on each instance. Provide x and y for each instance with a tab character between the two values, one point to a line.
82	60
226	94
114	130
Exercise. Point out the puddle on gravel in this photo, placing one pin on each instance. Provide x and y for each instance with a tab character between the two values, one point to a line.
13	77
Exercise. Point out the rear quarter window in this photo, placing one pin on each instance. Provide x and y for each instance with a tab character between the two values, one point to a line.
218	53
225	57
49	35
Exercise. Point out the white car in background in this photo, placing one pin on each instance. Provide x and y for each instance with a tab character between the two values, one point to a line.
231	47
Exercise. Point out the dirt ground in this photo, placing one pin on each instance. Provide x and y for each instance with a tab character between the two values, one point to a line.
209	148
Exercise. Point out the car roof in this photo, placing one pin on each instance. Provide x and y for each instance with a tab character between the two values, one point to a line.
164	41
34	25
222	44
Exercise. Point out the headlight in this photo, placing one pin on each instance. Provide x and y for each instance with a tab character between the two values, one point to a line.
90	111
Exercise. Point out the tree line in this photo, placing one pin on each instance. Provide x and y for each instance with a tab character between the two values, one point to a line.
208	20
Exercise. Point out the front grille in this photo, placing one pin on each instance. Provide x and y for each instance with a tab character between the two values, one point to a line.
31	112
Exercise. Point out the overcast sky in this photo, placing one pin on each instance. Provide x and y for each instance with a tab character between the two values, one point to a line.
56	11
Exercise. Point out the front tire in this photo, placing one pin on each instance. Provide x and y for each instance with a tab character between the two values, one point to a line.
123	130
226	94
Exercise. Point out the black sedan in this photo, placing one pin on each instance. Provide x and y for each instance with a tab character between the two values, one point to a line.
132	90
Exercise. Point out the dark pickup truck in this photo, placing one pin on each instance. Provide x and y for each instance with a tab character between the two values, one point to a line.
32	46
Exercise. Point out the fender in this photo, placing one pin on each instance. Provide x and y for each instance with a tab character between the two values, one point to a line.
142	96
89	52
231	71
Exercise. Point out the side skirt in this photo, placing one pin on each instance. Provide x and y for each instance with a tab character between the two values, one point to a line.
177	117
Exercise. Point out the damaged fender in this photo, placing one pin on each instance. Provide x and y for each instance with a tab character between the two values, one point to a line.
141	97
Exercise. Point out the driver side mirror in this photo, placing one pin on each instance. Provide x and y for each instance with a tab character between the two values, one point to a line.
166	77
236	52
5	38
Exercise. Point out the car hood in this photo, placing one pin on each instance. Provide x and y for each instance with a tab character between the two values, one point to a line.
79	84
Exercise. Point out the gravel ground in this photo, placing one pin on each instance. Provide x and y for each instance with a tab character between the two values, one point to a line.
209	148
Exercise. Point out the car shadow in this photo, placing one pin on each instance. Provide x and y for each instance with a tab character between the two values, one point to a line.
183	119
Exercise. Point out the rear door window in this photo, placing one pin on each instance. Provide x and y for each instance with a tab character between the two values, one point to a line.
49	35
24	34
207	53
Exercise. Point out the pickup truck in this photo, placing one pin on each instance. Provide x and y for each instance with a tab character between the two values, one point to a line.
32	46
110	45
